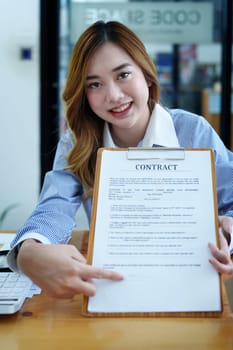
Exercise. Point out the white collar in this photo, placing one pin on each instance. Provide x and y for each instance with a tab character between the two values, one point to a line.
160	131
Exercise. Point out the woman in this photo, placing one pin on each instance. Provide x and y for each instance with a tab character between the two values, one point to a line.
112	100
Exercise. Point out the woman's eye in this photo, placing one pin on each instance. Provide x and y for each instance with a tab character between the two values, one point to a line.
93	85
124	75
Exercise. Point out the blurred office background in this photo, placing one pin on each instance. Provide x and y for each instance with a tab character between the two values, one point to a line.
190	41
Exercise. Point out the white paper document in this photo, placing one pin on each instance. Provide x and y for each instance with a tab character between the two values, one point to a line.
154	219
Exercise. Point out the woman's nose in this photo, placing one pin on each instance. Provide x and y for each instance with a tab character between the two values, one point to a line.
113	92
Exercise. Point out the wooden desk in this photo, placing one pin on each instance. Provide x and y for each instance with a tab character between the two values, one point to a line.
44	323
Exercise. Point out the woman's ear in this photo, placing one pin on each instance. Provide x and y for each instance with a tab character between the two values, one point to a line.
149	83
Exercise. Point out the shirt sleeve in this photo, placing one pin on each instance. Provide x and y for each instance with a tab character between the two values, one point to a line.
12	255
194	131
224	173
54	216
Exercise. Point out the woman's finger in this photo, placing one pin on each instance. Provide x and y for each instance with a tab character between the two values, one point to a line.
88	272
222	268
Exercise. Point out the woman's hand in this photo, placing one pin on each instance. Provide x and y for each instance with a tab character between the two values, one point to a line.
221	259
60	270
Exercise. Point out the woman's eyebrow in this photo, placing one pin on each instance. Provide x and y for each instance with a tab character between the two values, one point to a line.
124	65
121	66
90	77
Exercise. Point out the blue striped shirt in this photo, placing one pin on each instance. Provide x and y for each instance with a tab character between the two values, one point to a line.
54	217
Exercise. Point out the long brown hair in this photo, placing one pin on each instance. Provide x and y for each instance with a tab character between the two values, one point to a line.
86	126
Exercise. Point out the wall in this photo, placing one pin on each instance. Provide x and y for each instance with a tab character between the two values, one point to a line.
19	110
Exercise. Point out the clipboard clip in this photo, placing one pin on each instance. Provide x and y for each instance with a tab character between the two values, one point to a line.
176	153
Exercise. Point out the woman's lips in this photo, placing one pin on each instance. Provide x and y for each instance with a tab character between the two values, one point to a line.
122	110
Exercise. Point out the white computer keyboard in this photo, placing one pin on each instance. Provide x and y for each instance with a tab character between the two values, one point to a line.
14	288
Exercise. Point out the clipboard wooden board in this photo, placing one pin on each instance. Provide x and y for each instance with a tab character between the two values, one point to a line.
154	212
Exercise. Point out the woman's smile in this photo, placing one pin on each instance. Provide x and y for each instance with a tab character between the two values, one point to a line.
121	110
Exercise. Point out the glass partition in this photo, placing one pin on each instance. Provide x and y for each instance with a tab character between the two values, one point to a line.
183	38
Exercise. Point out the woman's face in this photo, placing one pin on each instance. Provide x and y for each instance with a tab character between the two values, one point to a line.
117	90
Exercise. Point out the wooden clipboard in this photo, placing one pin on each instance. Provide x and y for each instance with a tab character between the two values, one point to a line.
159	160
